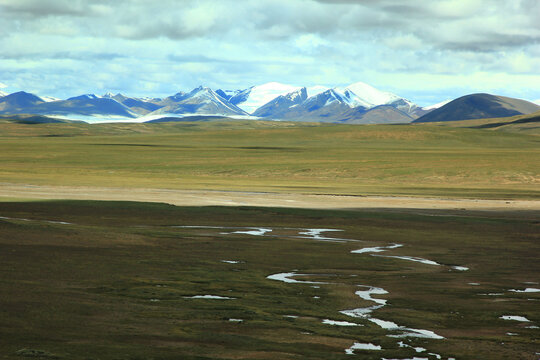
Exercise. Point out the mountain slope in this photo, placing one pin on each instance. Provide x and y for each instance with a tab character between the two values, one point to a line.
18	102
201	100
137	105
87	105
479	106
281	105
332	105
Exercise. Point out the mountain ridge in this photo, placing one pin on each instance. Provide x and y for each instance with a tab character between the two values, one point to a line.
479	106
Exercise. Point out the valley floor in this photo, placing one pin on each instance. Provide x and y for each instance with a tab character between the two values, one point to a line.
126	280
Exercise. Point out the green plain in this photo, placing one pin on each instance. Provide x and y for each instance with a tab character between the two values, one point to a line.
417	160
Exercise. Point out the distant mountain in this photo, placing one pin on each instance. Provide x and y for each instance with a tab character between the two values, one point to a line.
19	102
479	106
376	97
2	94
89	105
32	119
338	105
254	97
201	100
282	104
140	106
227	94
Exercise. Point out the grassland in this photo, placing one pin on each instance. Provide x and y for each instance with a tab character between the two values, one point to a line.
113	282
422	160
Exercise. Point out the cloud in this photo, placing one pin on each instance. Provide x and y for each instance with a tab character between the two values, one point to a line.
65	47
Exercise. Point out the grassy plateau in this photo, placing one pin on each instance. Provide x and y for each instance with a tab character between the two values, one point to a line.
420	160
107	280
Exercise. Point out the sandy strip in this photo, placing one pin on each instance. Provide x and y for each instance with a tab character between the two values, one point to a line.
237	198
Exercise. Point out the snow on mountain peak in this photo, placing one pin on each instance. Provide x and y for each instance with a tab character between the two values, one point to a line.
437	105
49	98
85	97
316	90
371	95
257	96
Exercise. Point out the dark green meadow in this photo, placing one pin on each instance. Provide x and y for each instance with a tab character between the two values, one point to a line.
114	282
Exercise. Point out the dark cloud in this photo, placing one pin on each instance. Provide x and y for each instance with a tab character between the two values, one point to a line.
44	8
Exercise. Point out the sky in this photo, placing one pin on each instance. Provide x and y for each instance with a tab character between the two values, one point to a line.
426	51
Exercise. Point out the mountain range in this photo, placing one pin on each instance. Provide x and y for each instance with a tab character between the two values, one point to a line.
358	103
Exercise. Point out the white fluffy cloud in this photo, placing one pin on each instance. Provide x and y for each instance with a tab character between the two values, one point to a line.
426	51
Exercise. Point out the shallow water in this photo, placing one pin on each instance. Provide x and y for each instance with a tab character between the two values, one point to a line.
210	297
286	277
515	317
339	323
527	290
376	249
411	258
255	231
362	346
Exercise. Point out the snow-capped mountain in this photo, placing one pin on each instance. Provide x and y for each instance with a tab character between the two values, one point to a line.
371	95
376	97
254	97
344	105
201	100
86	105
355	103
281	105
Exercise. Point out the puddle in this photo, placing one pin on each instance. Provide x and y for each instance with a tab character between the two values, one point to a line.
236	320
527	290
460	268
361	346
255	231
286	277
410	258
366	294
492	294
315	234
514	317
376	249
417	349
231	261
339	323
210	297
38	220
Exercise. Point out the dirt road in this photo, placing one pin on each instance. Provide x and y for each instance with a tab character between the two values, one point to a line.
235	198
